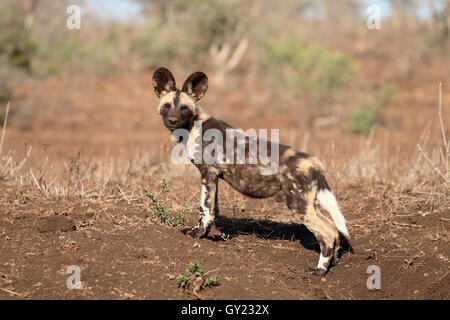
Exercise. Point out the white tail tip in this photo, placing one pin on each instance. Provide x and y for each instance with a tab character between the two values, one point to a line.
328	201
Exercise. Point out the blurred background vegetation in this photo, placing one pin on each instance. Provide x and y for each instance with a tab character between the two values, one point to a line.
290	51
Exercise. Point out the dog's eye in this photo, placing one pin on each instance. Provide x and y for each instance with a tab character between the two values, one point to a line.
166	106
184	107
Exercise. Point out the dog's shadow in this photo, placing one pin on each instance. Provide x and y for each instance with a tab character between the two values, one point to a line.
265	229
271	230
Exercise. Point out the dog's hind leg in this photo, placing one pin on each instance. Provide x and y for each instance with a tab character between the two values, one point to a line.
332	227
325	232
300	191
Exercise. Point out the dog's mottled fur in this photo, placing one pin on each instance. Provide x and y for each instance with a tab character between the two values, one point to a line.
300	177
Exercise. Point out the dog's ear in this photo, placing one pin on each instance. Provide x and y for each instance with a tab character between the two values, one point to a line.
196	85
163	82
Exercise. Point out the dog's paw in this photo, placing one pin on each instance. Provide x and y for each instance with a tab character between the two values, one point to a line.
195	232
316	271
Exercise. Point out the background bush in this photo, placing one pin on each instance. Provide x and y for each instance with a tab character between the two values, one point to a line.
17	44
307	69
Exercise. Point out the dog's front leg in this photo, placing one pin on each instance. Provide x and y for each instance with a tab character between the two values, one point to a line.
209	191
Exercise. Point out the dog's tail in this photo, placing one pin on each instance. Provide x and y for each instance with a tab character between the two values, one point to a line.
328	201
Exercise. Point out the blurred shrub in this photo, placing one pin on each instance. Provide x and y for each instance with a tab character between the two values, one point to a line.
362	120
386	94
18	49
2	118
307	69
218	22
5	91
77	53
188	31
17	43
157	47
430	41
5	85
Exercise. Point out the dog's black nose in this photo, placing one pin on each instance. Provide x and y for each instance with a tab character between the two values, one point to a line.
172	121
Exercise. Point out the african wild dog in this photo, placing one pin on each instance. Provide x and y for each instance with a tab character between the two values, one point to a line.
300	177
